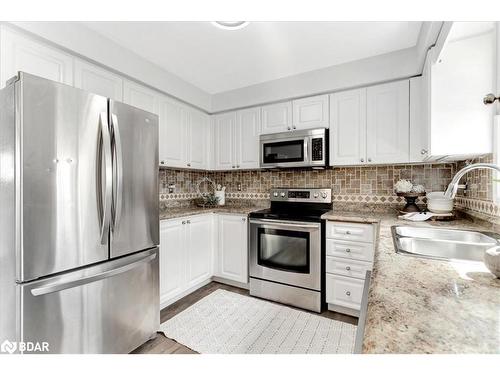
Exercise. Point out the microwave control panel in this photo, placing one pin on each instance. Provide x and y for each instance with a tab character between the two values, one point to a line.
317	149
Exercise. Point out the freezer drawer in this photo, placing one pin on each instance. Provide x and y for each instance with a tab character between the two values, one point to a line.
109	308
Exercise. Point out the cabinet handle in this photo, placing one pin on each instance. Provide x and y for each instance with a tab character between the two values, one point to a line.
243	219
188	164
232	166
369	159
347	232
362	160
237	166
347	293
289	128
295	127
162	162
347	250
183	222
188	222
423	151
348	268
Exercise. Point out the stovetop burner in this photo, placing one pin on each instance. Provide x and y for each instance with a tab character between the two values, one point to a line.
296	205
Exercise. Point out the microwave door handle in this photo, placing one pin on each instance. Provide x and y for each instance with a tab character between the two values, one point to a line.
118	165
104	200
306	150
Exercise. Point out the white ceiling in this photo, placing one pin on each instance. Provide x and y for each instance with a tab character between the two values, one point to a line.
217	60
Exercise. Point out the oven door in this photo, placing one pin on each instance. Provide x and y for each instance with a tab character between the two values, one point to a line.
286	252
285	152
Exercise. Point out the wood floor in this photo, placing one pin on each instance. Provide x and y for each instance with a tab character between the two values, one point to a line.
163	345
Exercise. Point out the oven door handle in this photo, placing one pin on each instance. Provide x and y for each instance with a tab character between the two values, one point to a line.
287	224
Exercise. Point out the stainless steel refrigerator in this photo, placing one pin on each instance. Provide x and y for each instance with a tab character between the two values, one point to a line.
79	224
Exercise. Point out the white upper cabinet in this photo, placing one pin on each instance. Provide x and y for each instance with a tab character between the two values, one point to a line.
172	133
198	129
232	248
247	138
140	97
312	112
387	123
100	81
348	127
224	133
19	53
276	118
184	135
455	124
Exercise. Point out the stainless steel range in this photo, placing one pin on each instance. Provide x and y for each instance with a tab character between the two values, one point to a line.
286	247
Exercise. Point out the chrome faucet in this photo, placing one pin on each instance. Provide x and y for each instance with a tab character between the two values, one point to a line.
453	186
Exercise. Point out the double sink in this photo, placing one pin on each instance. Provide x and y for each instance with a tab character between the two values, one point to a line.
443	244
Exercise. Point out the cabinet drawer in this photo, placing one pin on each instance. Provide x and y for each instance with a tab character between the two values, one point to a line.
347	267
349	231
344	291
349	250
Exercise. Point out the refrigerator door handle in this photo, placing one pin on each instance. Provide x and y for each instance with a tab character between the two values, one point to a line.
104	147
62	285
118	165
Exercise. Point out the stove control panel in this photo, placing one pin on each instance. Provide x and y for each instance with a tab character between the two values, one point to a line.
301	195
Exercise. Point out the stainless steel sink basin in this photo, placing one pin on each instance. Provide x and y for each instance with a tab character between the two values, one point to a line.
444	244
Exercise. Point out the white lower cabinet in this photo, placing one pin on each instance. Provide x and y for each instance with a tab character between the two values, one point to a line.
193	249
186	256
349	254
232	248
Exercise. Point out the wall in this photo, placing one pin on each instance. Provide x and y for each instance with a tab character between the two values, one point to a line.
369	185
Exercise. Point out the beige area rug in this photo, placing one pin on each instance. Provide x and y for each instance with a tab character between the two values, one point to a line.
224	322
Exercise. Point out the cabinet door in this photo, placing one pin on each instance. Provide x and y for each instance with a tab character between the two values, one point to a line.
310	112
198	139
232	248
419	119
20	53
247	138
388	123
276	118
97	80
172	133
348	127
140	97
172	259
199	253
224	141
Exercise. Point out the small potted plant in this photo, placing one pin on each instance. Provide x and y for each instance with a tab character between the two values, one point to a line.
410	192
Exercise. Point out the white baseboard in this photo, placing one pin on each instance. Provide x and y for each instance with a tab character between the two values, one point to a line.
343	310
237	284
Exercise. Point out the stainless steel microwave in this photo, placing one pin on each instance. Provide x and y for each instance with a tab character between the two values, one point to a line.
302	148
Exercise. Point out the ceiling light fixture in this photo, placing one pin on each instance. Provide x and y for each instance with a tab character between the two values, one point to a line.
230	25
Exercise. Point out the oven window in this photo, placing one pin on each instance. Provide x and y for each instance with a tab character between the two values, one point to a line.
284	250
284	152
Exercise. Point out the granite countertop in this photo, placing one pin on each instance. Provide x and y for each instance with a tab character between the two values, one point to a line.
417	305
175	212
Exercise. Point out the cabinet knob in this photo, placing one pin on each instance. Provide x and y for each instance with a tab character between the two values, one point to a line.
243	219
347	232
347	293
188	164
237	166
232	166
183	222
362	160
162	162
188	222
369	159
347	250
289	128
294	127
348	268
423	151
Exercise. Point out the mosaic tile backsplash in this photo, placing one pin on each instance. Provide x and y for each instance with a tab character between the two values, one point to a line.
366	184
